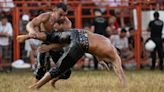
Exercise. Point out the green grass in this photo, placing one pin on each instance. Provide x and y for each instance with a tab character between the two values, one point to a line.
87	81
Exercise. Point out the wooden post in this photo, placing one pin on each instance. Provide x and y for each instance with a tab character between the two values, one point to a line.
138	37
16	33
78	16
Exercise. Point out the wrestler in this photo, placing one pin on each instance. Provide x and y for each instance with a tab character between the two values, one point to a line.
45	22
79	42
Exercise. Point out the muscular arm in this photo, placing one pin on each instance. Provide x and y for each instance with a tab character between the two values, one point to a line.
37	21
46	48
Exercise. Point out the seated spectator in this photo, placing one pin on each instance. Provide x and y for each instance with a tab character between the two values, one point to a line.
121	43
131	38
131	41
5	34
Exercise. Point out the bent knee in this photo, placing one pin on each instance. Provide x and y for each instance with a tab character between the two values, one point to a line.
65	75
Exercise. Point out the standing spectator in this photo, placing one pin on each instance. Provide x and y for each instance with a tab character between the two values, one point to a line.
5	34
99	26
155	27
25	19
99	23
23	22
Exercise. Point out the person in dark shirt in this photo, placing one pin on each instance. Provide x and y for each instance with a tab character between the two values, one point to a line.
155	28
131	40
99	26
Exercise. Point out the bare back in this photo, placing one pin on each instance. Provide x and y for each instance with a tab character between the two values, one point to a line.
99	43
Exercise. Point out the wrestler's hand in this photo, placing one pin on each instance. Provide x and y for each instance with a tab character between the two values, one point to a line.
33	34
43	48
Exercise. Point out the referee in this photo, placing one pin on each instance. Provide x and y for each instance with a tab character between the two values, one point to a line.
155	27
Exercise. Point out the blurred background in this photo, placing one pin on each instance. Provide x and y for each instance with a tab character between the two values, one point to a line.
124	22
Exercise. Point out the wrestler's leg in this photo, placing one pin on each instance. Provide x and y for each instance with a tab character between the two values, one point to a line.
40	68
69	58
97	44
72	55
65	75
119	71
114	58
55	55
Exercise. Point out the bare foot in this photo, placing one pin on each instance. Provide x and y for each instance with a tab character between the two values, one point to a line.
53	82
33	86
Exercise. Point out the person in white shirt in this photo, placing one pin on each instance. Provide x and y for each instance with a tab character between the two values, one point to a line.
6	32
121	43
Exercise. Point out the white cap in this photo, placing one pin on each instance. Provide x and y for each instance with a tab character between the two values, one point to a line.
25	18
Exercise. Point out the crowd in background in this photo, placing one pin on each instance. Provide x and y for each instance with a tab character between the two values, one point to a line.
121	37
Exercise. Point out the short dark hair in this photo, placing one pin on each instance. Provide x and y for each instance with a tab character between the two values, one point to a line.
4	17
87	25
131	29
97	10
123	30
62	6
156	14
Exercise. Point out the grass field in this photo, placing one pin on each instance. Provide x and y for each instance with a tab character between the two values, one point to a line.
87	81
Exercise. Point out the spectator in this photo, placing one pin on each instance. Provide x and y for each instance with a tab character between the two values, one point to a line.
112	27
99	24
5	34
155	27
23	23
131	38
87	26
131	41
121	43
